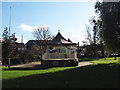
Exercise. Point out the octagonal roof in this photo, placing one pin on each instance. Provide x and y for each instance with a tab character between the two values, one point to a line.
60	40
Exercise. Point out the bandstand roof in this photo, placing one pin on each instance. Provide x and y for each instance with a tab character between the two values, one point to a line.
60	40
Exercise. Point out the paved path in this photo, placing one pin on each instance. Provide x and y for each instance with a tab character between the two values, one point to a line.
28	65
38	64
84	63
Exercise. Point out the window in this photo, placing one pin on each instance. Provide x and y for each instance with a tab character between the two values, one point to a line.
52	50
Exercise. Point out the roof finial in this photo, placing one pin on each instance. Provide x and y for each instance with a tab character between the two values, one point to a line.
58	30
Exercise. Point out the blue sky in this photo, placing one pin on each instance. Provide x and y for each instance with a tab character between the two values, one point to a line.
69	17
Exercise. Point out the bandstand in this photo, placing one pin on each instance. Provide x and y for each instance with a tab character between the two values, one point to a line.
60	52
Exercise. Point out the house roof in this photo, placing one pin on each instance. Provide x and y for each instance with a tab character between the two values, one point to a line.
59	39
31	43
69	40
20	45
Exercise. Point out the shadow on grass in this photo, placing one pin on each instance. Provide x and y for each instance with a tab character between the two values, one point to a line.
92	76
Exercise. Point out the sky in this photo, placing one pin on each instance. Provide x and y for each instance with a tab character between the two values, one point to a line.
68	17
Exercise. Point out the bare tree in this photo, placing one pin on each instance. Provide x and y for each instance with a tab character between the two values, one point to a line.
89	39
42	34
93	39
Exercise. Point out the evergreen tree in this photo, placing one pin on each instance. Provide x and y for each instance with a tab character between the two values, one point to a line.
8	46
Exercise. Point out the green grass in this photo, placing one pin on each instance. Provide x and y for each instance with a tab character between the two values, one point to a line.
106	61
94	59
101	74
12	74
86	59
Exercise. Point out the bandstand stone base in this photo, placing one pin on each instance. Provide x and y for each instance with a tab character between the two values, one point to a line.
60	62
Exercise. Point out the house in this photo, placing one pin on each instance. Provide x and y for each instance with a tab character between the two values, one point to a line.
80	51
60	52
34	46
88	50
21	46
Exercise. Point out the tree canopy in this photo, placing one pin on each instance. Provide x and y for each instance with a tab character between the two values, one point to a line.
109	12
8	46
42	33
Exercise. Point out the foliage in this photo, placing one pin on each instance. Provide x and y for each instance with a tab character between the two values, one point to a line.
42	33
93	37
8	46
0	50
5	44
109	13
25	57
89	51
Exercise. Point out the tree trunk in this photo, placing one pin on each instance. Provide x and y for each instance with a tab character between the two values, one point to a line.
9	66
94	51
102	49
94	44
115	57
104	58
41	60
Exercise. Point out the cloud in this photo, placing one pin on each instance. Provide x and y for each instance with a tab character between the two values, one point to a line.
31	28
26	27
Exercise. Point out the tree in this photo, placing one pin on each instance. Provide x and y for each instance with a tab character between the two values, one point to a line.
89	39
109	12
8	46
0	49
93	39
96	33
89	42
41	33
5	46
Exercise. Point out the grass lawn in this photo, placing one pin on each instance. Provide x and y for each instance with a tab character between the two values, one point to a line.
95	59
102	74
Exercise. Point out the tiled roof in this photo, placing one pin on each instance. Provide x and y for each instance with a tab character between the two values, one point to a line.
59	39
20	44
69	40
30	43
